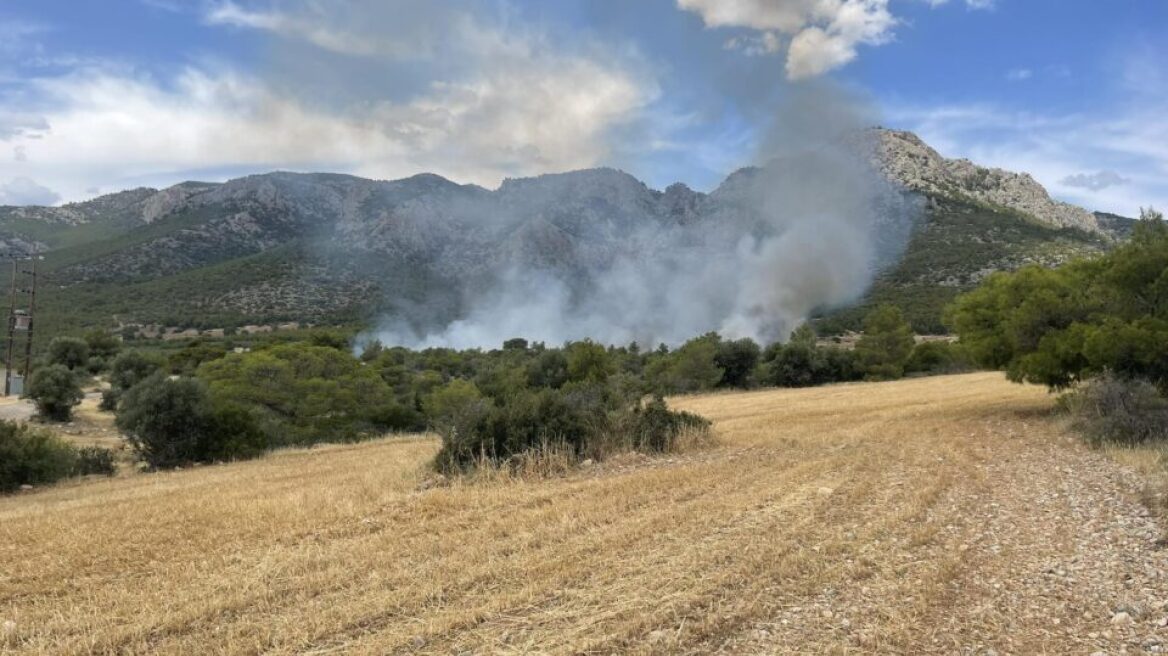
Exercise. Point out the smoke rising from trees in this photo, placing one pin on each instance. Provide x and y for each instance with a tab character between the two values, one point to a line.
806	228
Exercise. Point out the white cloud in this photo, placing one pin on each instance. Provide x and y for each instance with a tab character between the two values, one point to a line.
517	102
1094	181
766	43
824	33
22	191
305	26
972	4
1019	74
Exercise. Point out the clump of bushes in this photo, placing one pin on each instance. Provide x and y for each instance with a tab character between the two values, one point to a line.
174	422
94	460
1111	409
938	357
55	391
586	420
654	428
34	456
125	371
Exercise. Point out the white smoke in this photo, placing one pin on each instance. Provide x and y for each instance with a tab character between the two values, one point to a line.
807	229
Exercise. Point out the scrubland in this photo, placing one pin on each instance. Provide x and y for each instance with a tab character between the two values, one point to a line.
940	515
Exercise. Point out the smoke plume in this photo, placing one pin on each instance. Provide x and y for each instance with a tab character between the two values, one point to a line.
806	228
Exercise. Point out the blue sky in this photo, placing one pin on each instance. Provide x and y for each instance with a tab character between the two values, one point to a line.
101	96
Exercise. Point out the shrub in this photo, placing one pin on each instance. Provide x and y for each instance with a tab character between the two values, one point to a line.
95	365
937	357
1118	410
109	400
654	428
691	368
94	460
737	359
102	344
55	392
302	394
886	344
185	361
32	456
174	422
803	364
576	422
130	368
69	352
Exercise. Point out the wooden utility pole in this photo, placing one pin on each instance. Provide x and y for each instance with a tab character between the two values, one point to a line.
21	305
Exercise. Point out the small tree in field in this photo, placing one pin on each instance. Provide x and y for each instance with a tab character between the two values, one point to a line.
69	352
55	392
174	422
886	345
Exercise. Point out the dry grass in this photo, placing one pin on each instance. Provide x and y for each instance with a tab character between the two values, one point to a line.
857	498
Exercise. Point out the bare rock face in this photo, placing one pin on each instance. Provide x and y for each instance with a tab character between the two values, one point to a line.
907	160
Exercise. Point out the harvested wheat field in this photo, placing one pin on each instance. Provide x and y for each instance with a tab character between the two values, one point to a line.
941	515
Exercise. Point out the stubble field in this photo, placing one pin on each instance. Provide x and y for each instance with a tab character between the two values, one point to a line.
937	515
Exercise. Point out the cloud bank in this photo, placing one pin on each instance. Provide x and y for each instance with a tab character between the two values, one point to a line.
377	91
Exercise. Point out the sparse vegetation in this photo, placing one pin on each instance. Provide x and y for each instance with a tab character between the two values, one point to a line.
1109	409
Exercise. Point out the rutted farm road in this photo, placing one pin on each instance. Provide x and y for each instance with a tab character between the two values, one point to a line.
946	515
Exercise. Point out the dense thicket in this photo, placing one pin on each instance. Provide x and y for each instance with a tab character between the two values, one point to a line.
1100	326
1057	327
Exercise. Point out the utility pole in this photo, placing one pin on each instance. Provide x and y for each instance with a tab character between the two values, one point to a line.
21	305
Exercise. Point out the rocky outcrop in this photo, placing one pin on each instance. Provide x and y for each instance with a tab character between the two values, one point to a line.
907	160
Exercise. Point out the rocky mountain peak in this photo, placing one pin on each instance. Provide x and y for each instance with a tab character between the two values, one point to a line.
906	159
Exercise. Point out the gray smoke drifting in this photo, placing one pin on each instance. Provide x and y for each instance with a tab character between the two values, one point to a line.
806	228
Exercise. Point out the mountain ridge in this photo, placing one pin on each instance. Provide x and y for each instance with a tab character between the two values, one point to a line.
324	246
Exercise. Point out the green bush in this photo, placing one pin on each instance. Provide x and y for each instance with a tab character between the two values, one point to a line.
804	364
886	345
581	420
654	428
109	400
1110	409
69	352
691	368
55	391
102	344
737	359
95	365
1057	327
173	422
94	460
130	368
32	456
938	357
303	394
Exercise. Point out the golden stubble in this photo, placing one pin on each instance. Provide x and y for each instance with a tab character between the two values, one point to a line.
830	520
